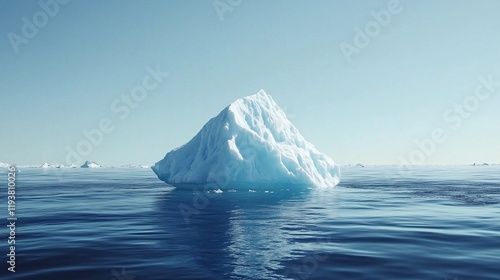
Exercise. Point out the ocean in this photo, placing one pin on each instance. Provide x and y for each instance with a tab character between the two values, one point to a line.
431	222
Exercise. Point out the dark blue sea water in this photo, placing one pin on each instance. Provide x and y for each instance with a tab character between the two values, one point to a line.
124	224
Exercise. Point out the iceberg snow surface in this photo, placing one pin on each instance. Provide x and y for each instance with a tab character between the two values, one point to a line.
251	143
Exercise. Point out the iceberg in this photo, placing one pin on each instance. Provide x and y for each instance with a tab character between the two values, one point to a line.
250	143
90	164
46	165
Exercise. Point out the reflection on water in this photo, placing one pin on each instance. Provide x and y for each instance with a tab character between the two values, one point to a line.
244	230
435	223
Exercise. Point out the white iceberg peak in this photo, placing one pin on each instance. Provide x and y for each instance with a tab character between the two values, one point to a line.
90	164
251	142
46	165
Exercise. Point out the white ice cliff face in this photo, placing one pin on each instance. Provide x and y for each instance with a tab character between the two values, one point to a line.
250	143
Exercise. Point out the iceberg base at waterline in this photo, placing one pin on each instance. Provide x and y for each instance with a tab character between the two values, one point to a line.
250	144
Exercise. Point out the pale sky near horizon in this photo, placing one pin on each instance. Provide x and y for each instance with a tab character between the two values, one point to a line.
412	77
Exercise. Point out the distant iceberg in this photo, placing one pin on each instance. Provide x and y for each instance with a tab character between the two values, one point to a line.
250	143
90	164
46	165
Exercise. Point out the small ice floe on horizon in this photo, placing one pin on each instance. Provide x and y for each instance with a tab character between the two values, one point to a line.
67	166
215	191
130	166
48	165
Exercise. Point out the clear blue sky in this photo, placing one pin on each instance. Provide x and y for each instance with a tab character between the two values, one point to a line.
372	109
